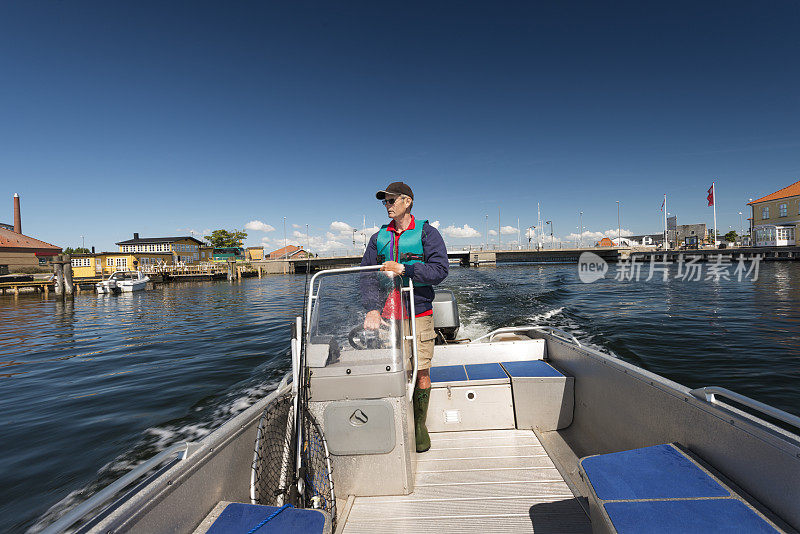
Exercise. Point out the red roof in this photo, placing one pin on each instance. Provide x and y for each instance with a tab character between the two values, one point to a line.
11	239
788	191
287	251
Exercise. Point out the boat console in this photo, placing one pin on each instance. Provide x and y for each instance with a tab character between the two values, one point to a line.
360	379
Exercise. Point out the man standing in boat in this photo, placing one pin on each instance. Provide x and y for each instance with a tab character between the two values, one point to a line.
415	250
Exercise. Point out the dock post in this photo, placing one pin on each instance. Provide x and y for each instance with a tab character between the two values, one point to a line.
16	290
259	271
46	290
58	271
69	286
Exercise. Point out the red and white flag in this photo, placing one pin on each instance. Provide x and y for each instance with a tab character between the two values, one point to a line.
662	202
710	196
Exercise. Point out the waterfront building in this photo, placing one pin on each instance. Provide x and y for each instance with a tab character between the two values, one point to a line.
224	254
776	217
290	251
18	251
206	253
106	263
254	253
184	249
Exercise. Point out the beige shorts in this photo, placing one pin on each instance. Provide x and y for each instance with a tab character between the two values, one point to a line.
426	339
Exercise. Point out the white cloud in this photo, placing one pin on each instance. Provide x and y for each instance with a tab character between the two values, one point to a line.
296	225
341	227
590	238
259	226
508	230
465	231
265	240
370	230
492	232
435	224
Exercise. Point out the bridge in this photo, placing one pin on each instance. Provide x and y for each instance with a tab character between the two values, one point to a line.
466	258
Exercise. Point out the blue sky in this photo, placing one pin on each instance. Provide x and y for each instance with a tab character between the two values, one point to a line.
160	118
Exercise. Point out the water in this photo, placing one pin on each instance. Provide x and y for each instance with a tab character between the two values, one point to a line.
90	387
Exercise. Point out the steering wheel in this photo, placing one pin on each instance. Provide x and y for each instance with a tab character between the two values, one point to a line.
361	338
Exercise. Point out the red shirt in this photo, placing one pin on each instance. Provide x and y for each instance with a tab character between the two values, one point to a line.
393	254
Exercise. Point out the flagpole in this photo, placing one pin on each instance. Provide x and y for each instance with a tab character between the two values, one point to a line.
714	196
665	221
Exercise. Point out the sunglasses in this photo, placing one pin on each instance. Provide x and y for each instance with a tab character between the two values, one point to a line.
390	201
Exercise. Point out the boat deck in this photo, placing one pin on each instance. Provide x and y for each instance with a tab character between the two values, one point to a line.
476	481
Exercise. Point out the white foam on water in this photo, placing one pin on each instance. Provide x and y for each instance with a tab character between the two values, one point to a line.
157	439
545	316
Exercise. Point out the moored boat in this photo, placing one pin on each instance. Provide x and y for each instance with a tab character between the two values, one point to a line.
123	281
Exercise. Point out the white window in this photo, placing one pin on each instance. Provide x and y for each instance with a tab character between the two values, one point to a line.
784	210
765	212
110	262
74	263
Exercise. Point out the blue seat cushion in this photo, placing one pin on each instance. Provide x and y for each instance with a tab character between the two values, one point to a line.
530	369
448	373
485	371
658	472
707	516
238	518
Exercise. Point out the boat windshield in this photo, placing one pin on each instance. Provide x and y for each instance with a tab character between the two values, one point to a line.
358	318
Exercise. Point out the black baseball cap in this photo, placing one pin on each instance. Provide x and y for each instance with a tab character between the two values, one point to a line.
395	188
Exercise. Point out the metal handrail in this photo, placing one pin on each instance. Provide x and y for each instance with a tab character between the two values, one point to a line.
709	394
566	336
561	334
107	493
413	321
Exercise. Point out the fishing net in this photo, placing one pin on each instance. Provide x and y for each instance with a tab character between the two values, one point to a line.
273	463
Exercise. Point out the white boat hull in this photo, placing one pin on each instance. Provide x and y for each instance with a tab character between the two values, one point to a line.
127	287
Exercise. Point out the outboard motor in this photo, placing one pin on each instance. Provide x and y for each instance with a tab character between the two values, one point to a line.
360	379
445	316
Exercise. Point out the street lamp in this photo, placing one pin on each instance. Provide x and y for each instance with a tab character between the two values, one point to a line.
741	225
83	242
529	236
580	239
308	242
619	227
552	243
487	232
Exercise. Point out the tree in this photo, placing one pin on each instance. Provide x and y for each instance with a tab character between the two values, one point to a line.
731	236
224	238
77	250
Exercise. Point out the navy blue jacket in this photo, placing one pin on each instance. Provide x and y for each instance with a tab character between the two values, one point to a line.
433	270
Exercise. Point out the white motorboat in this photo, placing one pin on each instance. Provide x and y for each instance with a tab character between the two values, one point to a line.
123	281
531	431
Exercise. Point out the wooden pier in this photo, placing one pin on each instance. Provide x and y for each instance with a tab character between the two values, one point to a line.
32	286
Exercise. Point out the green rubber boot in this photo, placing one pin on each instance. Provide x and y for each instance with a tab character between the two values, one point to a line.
421	398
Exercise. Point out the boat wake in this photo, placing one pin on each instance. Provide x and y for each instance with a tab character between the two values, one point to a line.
204	419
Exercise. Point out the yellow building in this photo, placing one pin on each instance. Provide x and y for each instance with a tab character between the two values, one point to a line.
776	217
206	253
184	250
105	263
254	253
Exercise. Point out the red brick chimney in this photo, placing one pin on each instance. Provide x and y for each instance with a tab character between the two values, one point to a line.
17	216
